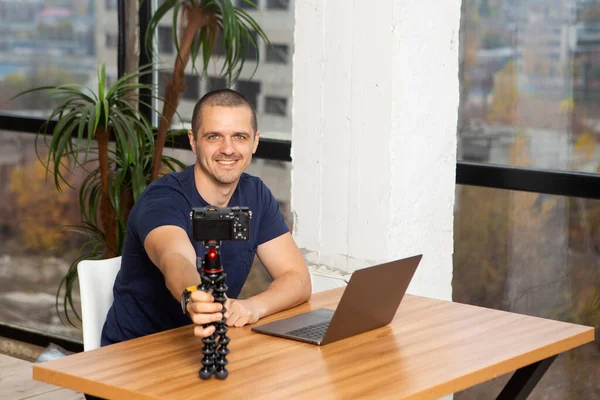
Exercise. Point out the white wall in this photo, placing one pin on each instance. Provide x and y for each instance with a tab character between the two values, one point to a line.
374	134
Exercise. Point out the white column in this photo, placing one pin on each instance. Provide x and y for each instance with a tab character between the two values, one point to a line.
375	100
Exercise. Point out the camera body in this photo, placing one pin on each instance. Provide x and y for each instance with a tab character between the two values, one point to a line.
220	223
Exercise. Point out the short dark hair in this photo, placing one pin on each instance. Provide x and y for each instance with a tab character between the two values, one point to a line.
221	98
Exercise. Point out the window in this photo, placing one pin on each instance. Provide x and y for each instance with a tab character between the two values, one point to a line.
43	44
249	89
112	40
530	100
13	11
219	49
245	5
532	253
214	83
47	44
35	251
165	40
531	87
278	4
252	53
279	80
51	43
277	53
192	88
276	106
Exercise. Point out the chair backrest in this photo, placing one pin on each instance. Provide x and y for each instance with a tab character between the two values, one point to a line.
96	280
321	282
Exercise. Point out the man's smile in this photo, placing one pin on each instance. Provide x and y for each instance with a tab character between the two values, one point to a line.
227	163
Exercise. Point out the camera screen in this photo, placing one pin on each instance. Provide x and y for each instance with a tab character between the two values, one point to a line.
212	229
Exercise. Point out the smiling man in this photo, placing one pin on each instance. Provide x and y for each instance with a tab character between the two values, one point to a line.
159	255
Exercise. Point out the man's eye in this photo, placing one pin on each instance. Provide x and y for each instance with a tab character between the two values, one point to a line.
240	137
213	137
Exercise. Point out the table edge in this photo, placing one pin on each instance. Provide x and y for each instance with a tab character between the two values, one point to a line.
506	366
81	384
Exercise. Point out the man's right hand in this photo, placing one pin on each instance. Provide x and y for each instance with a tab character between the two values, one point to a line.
203	310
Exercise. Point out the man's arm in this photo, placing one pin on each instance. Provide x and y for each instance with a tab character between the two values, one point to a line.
169	248
171	251
291	283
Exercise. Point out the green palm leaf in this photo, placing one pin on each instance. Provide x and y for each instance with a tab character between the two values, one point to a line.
233	25
79	114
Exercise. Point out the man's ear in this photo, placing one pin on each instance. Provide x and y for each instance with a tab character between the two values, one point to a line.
256	140
192	141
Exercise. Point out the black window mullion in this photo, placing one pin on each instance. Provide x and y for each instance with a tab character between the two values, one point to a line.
24	124
560	183
145	13
121	18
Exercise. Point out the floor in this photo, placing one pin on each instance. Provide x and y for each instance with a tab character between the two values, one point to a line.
16	383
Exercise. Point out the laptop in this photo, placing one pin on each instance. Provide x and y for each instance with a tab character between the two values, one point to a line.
370	301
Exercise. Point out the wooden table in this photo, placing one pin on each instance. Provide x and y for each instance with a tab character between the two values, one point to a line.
432	348
16	383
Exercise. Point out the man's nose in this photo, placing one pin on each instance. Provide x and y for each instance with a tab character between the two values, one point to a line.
227	146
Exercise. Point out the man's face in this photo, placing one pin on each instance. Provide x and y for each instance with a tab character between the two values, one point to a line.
225	142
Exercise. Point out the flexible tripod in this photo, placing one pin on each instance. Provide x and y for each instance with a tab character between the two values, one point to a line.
215	346
211	225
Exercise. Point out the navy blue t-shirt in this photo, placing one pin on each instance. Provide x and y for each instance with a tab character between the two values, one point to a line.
142	303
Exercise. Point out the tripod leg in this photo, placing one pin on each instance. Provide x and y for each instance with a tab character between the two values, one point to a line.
208	361
221	328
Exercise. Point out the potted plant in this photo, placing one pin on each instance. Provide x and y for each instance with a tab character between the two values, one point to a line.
102	131
87	122
201	23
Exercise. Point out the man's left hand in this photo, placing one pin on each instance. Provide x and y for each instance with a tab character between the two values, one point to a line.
240	312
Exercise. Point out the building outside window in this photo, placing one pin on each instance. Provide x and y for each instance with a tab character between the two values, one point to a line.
530	99
40	45
250	89
112	40
165	40
192	88
268	73
278	4
214	83
252	53
277	53
246	5
276	105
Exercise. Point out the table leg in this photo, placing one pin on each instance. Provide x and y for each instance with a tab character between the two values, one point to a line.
521	384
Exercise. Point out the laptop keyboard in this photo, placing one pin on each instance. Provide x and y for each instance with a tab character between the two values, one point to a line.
311	332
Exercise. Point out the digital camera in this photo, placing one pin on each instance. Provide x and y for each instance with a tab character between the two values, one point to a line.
220	223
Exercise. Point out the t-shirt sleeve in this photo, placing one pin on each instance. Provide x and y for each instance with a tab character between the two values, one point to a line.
158	207
271	224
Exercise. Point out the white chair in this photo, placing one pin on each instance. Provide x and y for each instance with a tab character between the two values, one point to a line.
96	279
322	282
